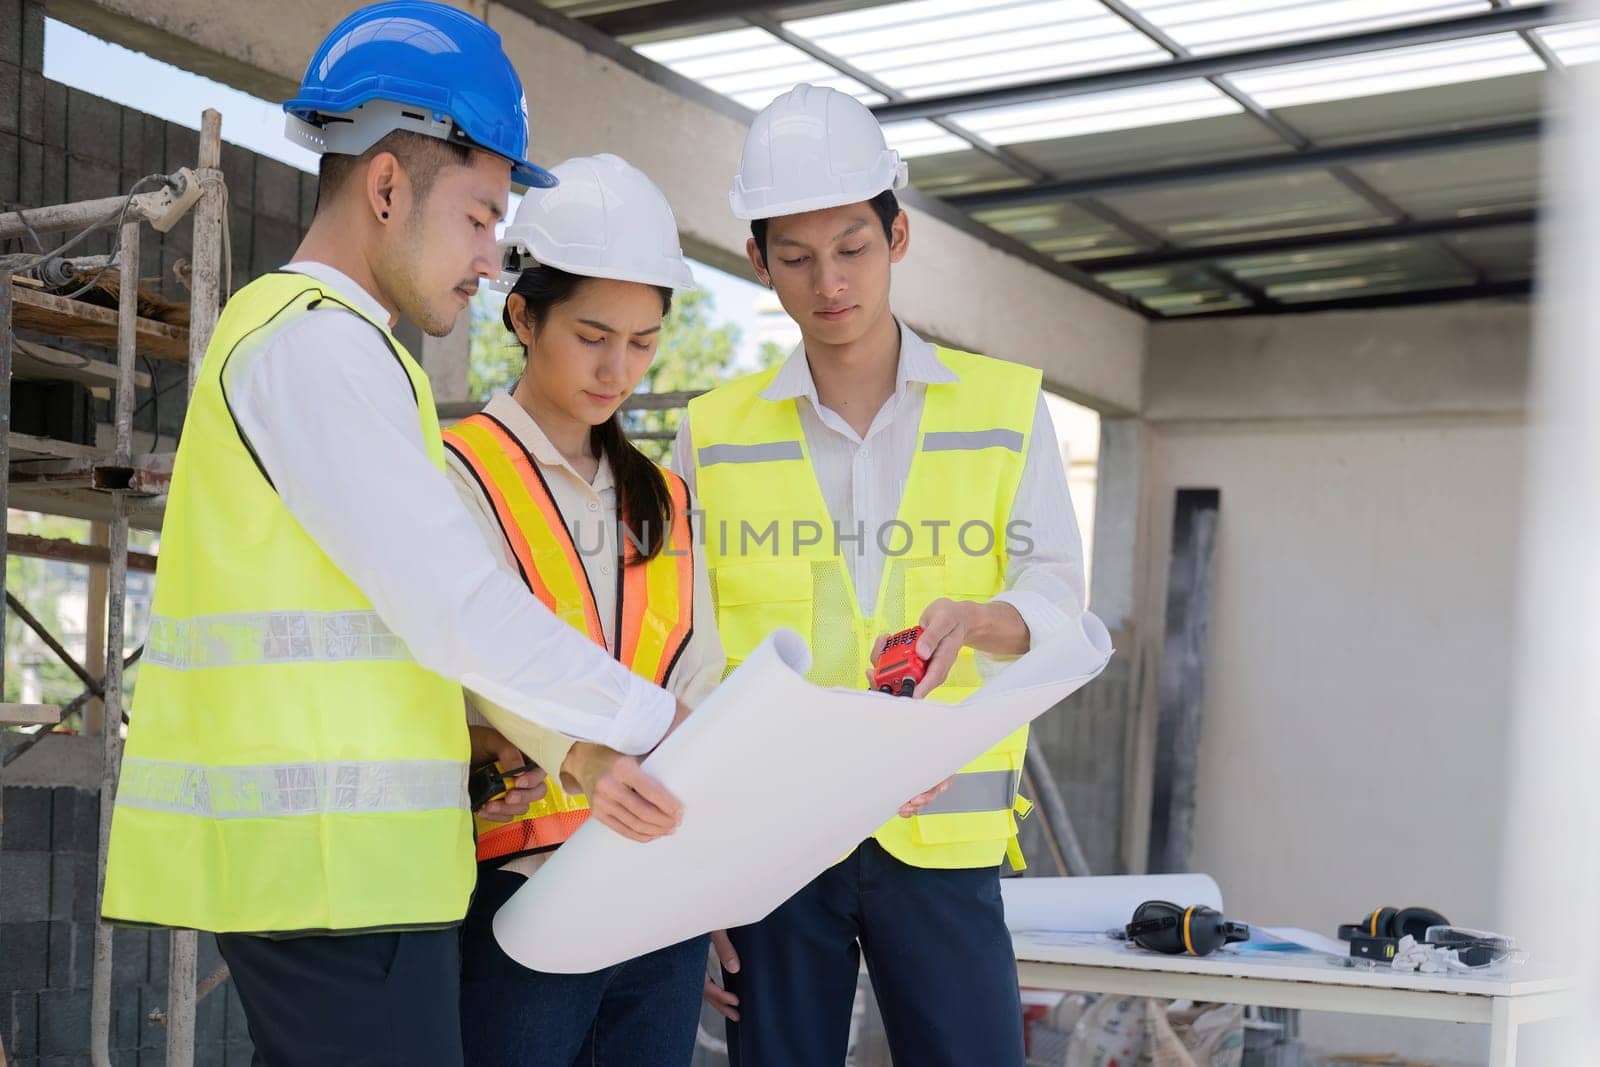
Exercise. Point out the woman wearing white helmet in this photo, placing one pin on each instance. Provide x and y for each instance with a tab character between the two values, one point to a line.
600	534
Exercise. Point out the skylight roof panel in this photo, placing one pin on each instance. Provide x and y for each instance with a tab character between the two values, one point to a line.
757	98
1006	67
1177	291
920	22
751	66
1573	43
1115	41
1394	70
679	49
1063	231
1126	109
932	46
776	78
1205	26
921	138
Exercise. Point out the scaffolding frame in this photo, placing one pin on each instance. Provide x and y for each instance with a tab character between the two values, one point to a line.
133	484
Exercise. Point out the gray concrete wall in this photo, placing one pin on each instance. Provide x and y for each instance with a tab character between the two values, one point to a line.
1359	664
586	97
1449	359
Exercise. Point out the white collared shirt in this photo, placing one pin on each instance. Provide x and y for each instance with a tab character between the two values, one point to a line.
333	421
590	512
863	477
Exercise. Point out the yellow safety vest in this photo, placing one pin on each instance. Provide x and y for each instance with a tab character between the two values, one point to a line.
654	610
289	767
775	561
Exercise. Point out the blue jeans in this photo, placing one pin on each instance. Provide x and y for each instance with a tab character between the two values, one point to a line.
644	1012
937	950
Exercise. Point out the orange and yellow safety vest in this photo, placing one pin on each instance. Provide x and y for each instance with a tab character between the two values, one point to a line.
655	599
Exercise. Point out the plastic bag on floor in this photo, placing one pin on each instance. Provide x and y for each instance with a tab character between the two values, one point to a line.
1213	1033
1126	1032
1142	1032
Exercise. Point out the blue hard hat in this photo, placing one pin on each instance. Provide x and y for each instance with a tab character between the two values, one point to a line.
431	57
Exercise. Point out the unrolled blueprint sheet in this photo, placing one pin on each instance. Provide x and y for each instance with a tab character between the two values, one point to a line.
779	779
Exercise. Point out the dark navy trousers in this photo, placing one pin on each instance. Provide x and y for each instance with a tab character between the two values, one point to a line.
641	1013
936	948
381	1000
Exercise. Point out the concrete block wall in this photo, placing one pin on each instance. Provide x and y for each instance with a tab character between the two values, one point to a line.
48	837
58	144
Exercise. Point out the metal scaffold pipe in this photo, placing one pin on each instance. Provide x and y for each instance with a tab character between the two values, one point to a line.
127	313
205	286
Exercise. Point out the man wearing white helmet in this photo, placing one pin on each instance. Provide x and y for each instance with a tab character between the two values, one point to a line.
601	535
909	485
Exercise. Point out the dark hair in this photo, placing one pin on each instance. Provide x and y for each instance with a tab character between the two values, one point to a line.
423	157
884	205
642	497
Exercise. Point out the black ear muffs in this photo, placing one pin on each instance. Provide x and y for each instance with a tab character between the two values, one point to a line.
1376	924
1161	926
1414	922
1394	923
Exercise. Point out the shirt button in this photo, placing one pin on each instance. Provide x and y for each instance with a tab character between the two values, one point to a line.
594	505
605	568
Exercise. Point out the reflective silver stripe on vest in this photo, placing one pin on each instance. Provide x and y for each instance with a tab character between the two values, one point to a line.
971	440
711	455
271	637
276	789
976	791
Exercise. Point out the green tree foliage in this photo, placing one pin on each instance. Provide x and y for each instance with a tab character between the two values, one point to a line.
695	354
41	585
56	593
770	354
494	356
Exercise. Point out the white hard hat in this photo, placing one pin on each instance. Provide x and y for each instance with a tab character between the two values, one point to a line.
811	149
604	219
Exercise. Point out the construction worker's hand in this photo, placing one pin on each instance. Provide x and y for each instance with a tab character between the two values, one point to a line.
921	800
487	744
946	625
725	1004
621	795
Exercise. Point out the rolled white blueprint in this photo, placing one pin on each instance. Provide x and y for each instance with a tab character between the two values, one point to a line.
1098	904
779	779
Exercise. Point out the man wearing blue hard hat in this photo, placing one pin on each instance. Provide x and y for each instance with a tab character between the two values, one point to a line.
295	770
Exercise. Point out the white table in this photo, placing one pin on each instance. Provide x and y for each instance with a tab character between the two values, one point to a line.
1079	963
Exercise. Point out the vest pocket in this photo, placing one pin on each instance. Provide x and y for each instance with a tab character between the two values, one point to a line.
756	597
